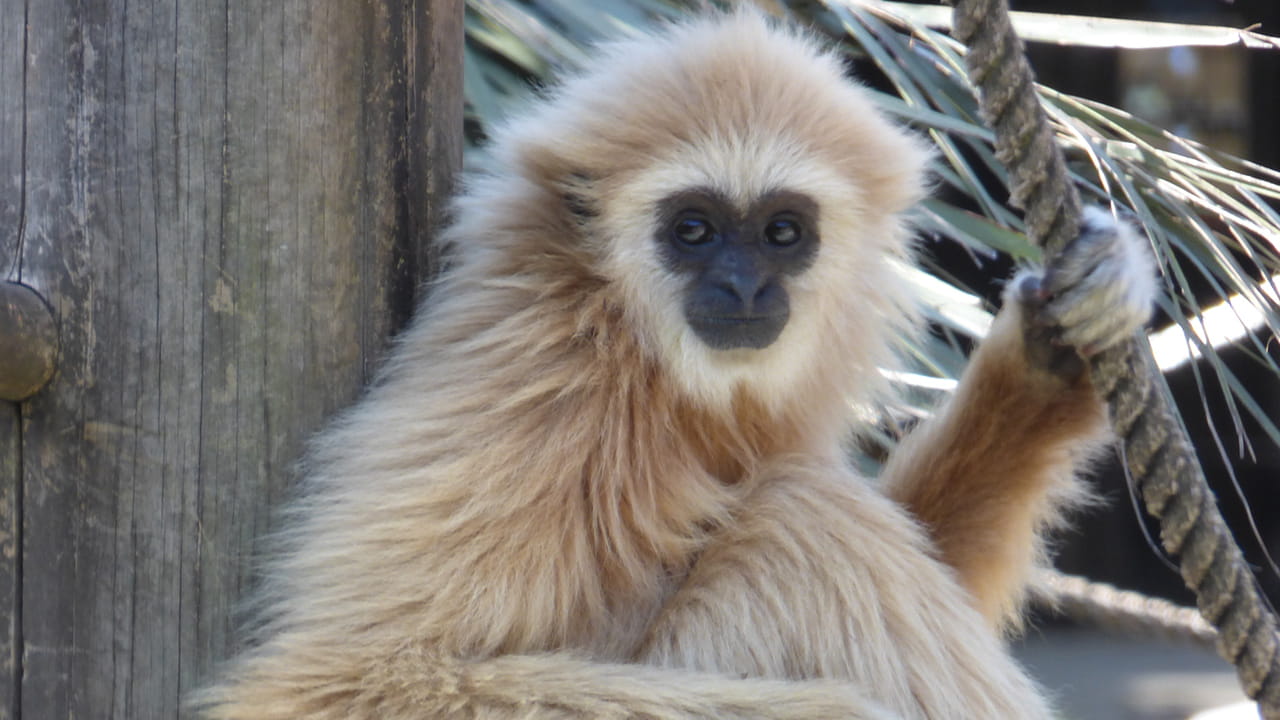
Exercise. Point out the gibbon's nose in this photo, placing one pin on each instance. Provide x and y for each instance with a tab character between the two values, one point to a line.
746	289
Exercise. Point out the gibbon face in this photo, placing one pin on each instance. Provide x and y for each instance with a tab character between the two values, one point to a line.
736	197
736	263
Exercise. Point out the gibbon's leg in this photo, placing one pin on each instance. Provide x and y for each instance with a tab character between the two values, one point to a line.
820	575
985	474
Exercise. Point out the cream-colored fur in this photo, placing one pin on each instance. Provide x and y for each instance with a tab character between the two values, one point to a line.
557	503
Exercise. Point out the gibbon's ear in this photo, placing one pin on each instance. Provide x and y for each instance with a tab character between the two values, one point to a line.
564	183
578	197
892	170
904	179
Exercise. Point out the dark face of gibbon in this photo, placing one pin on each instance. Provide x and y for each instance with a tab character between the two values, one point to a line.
735	262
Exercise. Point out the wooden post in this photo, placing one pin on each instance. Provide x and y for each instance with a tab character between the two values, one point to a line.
226	206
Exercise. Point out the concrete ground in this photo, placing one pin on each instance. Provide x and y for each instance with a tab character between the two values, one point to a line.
1095	676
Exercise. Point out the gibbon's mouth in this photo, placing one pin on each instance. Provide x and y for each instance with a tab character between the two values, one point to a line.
736	332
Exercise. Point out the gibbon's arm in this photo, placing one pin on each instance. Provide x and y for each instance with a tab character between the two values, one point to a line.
821	576
980	474
397	641
986	474
415	684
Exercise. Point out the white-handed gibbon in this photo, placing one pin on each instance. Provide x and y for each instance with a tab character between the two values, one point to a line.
604	473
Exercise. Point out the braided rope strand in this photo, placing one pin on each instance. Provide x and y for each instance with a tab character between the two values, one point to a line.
1157	453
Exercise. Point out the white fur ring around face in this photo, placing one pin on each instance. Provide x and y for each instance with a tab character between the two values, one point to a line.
1098	291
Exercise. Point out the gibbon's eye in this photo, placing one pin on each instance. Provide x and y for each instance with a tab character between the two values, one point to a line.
693	231
782	232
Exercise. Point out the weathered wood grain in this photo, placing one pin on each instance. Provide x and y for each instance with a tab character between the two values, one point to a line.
434	86
219	201
11	132
10	517
11	194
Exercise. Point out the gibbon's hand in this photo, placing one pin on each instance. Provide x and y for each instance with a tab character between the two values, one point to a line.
1096	293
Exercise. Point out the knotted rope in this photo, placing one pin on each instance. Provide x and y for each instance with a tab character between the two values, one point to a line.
1156	451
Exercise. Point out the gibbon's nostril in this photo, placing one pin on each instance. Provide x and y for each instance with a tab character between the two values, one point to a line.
770	299
744	298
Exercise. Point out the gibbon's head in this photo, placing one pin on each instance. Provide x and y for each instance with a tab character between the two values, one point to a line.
739	198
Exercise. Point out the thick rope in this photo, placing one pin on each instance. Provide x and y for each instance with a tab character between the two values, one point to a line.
1125	611
1157	453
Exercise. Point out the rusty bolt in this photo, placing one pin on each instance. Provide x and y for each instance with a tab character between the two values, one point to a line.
28	342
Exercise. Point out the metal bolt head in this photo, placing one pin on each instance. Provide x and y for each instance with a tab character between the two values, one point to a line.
28	342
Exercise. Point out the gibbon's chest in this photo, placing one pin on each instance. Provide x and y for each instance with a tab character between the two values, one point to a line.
644	522
635	552
649	481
